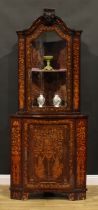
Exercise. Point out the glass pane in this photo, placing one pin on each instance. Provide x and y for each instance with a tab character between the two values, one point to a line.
48	80
48	44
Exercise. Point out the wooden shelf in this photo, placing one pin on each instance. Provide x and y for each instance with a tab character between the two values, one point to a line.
54	70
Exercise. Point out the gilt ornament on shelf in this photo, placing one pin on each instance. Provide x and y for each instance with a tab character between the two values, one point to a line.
48	66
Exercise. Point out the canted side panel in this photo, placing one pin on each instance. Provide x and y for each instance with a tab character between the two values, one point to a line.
81	138
21	73
76	73
49	155
15	152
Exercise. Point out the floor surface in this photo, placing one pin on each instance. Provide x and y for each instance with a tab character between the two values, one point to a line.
53	203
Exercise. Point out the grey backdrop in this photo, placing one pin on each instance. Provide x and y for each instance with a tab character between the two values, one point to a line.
19	14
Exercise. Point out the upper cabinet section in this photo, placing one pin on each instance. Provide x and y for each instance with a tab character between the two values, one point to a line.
49	66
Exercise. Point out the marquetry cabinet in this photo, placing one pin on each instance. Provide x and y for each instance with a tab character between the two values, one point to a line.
48	133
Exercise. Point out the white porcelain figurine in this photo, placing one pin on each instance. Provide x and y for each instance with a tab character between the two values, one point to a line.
41	100
56	100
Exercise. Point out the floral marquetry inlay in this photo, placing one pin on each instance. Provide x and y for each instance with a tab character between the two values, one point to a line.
76	72
47	152
81	152
16	151
21	73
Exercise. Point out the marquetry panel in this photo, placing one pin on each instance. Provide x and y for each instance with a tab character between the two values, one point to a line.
81	134
21	72
48	162
16	151
76	72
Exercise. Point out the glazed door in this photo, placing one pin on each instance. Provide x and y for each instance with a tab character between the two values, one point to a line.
48	154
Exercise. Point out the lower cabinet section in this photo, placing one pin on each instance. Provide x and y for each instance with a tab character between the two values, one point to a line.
48	155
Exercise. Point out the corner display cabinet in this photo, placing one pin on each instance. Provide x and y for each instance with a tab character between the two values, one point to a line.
48	133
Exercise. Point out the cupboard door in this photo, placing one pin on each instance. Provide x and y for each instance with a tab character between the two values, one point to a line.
48	154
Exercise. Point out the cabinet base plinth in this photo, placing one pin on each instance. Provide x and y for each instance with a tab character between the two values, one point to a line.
72	196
